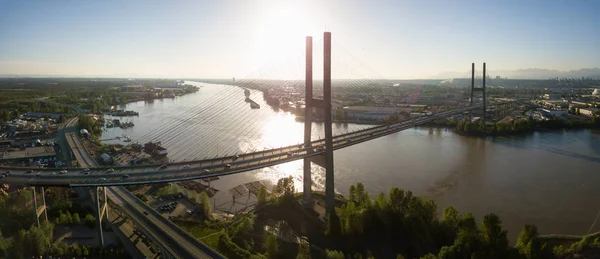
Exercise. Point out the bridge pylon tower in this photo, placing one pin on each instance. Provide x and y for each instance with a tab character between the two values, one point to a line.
42	209
477	89
325	160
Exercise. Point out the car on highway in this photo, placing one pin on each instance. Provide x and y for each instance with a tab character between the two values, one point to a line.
228	166
86	173
206	171
29	171
186	166
7	173
86	170
125	176
103	179
109	170
63	171
2	175
349	139
145	213
236	157
162	167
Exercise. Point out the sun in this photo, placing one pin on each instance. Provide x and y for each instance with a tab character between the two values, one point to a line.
280	32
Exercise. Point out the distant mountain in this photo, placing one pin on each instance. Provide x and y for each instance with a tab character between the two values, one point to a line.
529	73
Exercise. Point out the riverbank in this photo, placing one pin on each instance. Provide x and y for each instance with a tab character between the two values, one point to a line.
514	127
281	226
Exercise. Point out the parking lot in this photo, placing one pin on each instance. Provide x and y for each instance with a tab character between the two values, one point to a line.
173	206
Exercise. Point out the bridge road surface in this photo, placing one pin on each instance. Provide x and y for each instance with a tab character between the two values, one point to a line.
169	236
98	176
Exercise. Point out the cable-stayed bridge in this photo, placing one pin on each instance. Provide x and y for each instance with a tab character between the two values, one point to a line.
190	170
344	78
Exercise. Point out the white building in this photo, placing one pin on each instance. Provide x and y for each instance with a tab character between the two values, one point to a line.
596	92
588	111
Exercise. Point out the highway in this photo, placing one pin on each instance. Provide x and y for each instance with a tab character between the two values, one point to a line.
180	171
172	239
162	231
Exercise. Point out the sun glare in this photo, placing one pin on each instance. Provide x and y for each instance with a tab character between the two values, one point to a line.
280	31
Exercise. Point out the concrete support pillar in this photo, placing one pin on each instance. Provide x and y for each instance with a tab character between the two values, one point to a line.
105	203
44	204
472	89
329	181
308	201
35	206
483	90
99	215
38	210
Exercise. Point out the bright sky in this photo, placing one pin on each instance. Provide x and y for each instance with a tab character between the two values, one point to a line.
224	39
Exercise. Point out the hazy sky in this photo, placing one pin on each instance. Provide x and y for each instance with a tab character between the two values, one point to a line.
224	39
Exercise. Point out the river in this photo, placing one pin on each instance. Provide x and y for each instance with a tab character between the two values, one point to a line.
550	179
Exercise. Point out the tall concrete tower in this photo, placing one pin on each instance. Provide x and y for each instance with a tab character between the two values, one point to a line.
477	89
325	159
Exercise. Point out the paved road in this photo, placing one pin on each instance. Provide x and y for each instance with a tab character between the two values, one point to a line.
102	176
165	233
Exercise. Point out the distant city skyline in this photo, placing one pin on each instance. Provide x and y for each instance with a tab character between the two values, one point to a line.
199	39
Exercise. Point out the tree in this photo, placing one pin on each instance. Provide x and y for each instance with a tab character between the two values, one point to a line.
164	191
528	243
451	217
303	251
37	241
19	247
285	189
90	220
3	242
261	198
205	204
69	218
333	254
272	246
494	236
352	194
76	219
